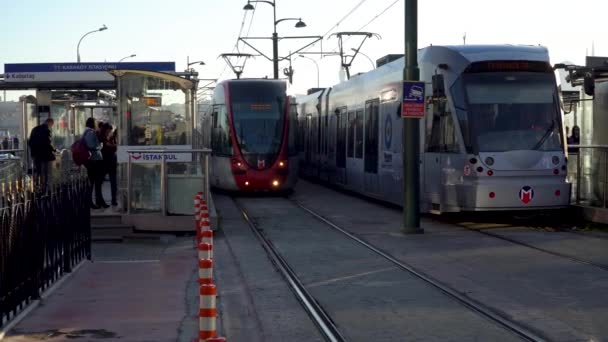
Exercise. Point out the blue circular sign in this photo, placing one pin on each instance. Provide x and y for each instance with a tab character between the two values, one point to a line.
388	132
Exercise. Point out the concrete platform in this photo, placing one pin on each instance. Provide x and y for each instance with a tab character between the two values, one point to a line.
130	292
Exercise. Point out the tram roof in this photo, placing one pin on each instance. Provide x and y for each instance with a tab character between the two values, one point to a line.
476	53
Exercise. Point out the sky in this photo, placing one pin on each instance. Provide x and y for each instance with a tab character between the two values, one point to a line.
37	31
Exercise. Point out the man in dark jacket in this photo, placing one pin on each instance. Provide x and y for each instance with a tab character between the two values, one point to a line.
42	150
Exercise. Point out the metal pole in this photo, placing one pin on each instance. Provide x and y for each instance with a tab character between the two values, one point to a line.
163	185
410	139
24	137
206	179
605	179
275	55
129	183
578	175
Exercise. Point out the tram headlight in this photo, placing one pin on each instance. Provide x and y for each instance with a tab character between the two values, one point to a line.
282	164
275	183
555	160
489	161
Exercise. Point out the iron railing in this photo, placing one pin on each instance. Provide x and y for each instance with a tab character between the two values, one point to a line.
588	173
44	232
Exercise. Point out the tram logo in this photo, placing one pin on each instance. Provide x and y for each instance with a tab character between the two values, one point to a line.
261	163
526	194
388	132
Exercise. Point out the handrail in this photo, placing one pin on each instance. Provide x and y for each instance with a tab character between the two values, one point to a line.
163	173
587	146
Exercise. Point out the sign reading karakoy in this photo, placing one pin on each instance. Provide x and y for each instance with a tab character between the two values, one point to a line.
154	157
66	72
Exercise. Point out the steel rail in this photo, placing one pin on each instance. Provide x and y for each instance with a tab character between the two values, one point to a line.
315	311
475	306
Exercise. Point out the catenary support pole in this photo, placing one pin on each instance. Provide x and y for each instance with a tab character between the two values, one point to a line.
411	133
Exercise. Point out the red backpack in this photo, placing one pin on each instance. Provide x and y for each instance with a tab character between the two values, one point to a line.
80	152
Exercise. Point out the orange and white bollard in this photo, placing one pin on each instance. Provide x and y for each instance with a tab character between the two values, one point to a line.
205	271
207	236
197	215
216	339
207	312
205	251
204	225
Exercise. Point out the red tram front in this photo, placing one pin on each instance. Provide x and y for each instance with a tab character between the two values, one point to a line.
252	130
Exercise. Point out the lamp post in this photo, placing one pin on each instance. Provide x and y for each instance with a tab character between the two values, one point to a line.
316	64
366	56
192	63
130	56
103	28
275	37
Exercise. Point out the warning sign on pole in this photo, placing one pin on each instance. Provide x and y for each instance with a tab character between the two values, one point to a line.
413	100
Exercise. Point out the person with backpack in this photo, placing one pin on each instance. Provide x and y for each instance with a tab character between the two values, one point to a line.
42	150
108	151
94	164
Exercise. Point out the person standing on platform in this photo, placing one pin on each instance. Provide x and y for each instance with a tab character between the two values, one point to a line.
42	151
94	165
108	151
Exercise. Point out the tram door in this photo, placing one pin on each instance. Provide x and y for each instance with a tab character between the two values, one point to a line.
371	180
342	126
354	151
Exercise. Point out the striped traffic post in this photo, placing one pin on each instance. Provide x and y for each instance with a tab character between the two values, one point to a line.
205	251
207	312
205	271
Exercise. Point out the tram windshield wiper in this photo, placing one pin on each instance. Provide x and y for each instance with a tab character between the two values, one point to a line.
545	136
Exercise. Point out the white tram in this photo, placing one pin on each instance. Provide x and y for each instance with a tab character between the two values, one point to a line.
491	139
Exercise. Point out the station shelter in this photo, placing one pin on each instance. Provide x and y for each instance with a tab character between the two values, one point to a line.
151	106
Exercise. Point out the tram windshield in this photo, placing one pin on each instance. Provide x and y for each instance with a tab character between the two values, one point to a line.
258	116
512	111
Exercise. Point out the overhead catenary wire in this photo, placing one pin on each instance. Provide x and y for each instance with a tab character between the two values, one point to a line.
236	44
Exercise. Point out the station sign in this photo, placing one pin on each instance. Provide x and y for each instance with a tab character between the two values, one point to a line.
152	157
75	72
412	105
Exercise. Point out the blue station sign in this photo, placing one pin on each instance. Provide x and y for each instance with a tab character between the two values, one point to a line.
412	105
75	72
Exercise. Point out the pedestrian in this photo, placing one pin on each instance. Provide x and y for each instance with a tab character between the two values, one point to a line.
15	142
95	164
5	143
574	139
108	151
42	151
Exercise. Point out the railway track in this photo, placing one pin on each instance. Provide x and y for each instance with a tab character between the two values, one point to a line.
321	319
324	322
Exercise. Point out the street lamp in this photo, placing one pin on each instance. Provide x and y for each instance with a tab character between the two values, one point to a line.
103	28
131	56
366	56
316	64
275	37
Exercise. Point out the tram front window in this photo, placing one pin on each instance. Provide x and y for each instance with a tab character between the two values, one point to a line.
258	118
512	111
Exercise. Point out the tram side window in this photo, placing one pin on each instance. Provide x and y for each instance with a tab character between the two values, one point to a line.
359	134
441	134
371	136
350	151
221	142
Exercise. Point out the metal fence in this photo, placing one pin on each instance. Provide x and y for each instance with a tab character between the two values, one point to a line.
43	235
588	173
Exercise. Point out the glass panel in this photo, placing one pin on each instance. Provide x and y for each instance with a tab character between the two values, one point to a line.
341	153
513	111
371	137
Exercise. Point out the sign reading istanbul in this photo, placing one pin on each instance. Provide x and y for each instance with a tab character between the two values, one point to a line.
153	157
